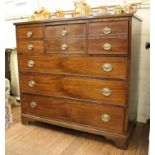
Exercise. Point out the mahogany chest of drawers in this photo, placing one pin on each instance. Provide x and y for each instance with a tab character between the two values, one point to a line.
81	73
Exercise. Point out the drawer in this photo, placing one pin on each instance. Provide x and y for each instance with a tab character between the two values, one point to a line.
65	30
74	45
101	91
30	32
98	116
106	67
108	46
108	28
35	46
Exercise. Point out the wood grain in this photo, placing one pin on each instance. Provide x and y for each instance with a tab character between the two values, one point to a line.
66	74
23	140
133	73
75	112
117	27
39	138
37	31
75	87
76	65
22	46
54	45
118	45
73	30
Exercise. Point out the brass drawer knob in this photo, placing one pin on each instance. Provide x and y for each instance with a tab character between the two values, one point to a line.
106	30
107	67
29	34
30	63
33	104
32	83
105	117
106	91
30	47
64	47
64	33
107	46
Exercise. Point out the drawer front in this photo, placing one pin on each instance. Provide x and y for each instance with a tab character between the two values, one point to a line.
65	30
108	28
65	45
107	67
102	91
98	116
107	46
30	32
26	46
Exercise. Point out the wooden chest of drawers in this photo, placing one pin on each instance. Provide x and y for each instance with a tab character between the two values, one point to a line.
81	73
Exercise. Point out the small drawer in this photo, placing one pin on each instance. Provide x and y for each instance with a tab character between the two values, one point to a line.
30	32
99	116
108	46
108	28
101	91
66	30
25	46
106	67
74	45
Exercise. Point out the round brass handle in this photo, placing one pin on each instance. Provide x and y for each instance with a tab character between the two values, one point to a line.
105	117
107	46
29	34
33	104
106	30
107	67
30	63
106	91
64	33
32	83
64	46
30	47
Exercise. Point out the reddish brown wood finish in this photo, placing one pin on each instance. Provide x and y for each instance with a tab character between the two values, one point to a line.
37	32
69	83
75	87
118	45
22	46
77	112
76	30
117	27
55	45
75	65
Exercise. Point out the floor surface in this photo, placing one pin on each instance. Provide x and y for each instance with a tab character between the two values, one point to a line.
43	139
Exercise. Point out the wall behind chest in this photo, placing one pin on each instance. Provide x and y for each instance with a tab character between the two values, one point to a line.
17	10
144	67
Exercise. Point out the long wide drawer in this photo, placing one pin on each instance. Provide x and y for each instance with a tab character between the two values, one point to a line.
103	91
98	116
107	67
